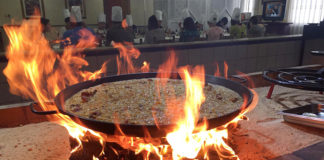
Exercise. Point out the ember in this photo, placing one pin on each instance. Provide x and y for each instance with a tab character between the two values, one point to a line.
37	72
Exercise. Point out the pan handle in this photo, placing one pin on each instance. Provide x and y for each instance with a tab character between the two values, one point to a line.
240	79
38	112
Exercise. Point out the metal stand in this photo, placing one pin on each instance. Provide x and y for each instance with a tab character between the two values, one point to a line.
270	91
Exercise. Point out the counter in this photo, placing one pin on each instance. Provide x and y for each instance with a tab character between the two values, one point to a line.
245	55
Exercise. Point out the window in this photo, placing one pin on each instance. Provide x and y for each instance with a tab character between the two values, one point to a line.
306	11
248	5
301	12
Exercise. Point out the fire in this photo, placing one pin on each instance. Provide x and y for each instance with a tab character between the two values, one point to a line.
35	71
125	59
145	67
124	24
183	141
217	73
225	70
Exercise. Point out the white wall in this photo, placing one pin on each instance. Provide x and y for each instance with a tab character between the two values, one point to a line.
10	9
93	9
53	11
141	10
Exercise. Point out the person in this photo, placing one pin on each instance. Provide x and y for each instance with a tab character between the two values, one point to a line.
222	23
159	17
117	33
46	26
68	24
101	31
237	30
130	26
185	13
199	26
47	31
189	32
214	32
73	36
155	33
255	29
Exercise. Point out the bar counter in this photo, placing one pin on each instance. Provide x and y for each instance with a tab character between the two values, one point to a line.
246	55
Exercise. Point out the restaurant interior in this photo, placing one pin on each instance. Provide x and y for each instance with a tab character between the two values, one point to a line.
162	79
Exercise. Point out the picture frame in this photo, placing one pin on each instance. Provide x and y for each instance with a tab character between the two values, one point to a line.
69	3
29	6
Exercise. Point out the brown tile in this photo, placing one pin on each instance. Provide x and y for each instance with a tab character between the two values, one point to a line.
219	54
252	51
242	51
270	49
272	62
262	52
154	58
251	65
231	53
111	66
92	61
195	57
183	58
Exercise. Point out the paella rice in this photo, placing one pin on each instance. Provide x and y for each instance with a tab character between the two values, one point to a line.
146	102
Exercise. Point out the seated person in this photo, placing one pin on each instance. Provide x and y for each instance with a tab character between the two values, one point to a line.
222	23
189	32
68	24
159	16
48	32
101	31
155	33
130	26
214	32
237	30
255	29
199	26
117	33
73	34
46	26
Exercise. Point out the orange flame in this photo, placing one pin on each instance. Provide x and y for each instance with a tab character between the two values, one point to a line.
183	142
124	24
35	71
125	59
225	70
217	73
145	67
